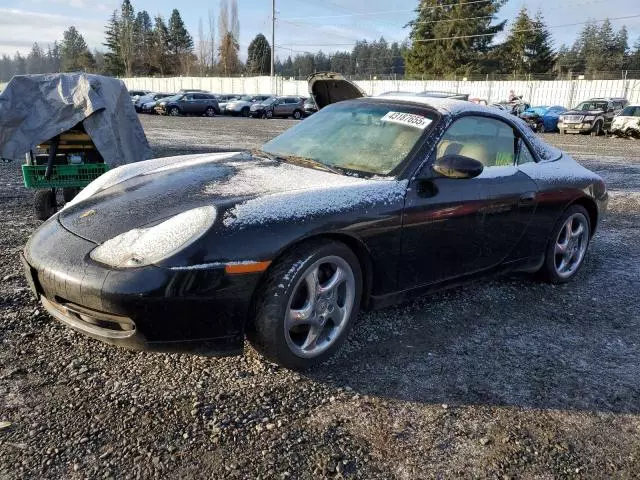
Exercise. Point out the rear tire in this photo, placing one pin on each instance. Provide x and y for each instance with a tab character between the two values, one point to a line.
307	304
45	204
245	111
210	112
566	252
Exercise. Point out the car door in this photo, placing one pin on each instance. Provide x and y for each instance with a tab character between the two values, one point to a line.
454	227
187	103
279	108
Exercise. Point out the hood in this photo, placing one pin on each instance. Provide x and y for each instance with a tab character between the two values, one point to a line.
583	112
329	87
624	122
148	192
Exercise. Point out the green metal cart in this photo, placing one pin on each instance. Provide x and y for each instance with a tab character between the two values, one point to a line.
69	161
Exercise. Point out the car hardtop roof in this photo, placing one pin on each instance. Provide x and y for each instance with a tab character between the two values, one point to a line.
445	106
606	99
452	108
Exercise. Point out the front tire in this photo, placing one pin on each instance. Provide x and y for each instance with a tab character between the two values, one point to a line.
45	204
596	131
307	304
297	114
567	246
245	111
174	111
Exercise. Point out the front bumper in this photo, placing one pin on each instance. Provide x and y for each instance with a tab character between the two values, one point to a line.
583	127
200	311
256	113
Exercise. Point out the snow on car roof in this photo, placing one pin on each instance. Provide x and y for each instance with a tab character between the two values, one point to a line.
451	107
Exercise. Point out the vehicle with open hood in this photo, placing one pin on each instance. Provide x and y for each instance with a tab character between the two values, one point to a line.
592	116
283	245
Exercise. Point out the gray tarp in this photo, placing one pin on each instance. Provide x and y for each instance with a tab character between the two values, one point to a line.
36	108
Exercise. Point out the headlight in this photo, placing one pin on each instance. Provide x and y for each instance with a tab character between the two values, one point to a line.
162	104
143	246
588	118
561	118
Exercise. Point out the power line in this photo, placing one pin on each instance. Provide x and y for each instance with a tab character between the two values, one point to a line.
469	36
444	5
525	29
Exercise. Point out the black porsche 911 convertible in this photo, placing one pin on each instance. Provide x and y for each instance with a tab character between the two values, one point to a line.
368	202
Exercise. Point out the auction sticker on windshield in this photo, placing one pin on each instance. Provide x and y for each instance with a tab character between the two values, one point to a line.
409	119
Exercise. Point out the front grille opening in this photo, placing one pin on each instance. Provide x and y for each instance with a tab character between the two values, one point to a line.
96	318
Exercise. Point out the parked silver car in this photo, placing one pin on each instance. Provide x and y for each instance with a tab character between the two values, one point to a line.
279	107
242	106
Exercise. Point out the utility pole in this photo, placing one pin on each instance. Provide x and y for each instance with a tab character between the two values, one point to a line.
273	37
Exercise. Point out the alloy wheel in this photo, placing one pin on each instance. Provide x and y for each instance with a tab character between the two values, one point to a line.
571	245
319	307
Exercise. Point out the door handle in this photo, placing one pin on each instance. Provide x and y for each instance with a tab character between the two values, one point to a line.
527	198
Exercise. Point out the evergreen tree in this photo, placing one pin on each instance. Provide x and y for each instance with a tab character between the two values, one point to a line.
465	34
75	54
259	56
634	58
542	54
36	60
113	57
180	43
160	47
127	37
144	40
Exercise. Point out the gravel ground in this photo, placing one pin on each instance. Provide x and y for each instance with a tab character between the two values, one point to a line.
504	378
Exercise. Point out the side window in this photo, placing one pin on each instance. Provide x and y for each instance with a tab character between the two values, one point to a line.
188	97
488	140
524	154
198	96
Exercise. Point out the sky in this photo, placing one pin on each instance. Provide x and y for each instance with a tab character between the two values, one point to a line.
302	25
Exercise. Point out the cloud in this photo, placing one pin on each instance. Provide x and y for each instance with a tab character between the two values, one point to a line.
17	29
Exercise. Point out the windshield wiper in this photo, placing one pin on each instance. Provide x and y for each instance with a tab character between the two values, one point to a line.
299	160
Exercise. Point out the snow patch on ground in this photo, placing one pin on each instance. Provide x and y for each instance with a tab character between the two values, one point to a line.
299	205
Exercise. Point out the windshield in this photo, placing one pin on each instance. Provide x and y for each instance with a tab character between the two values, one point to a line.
365	137
246	98
173	98
587	106
630	112
269	101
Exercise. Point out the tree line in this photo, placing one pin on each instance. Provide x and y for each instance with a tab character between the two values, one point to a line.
453	39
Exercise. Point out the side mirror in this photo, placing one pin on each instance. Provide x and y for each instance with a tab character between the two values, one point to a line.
458	166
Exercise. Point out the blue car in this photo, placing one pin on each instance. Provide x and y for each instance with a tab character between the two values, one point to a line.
543	119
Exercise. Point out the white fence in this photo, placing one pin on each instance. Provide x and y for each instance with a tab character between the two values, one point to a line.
539	92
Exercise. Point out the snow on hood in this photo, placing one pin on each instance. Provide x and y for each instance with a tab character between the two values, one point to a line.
253	179
131	170
299	205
